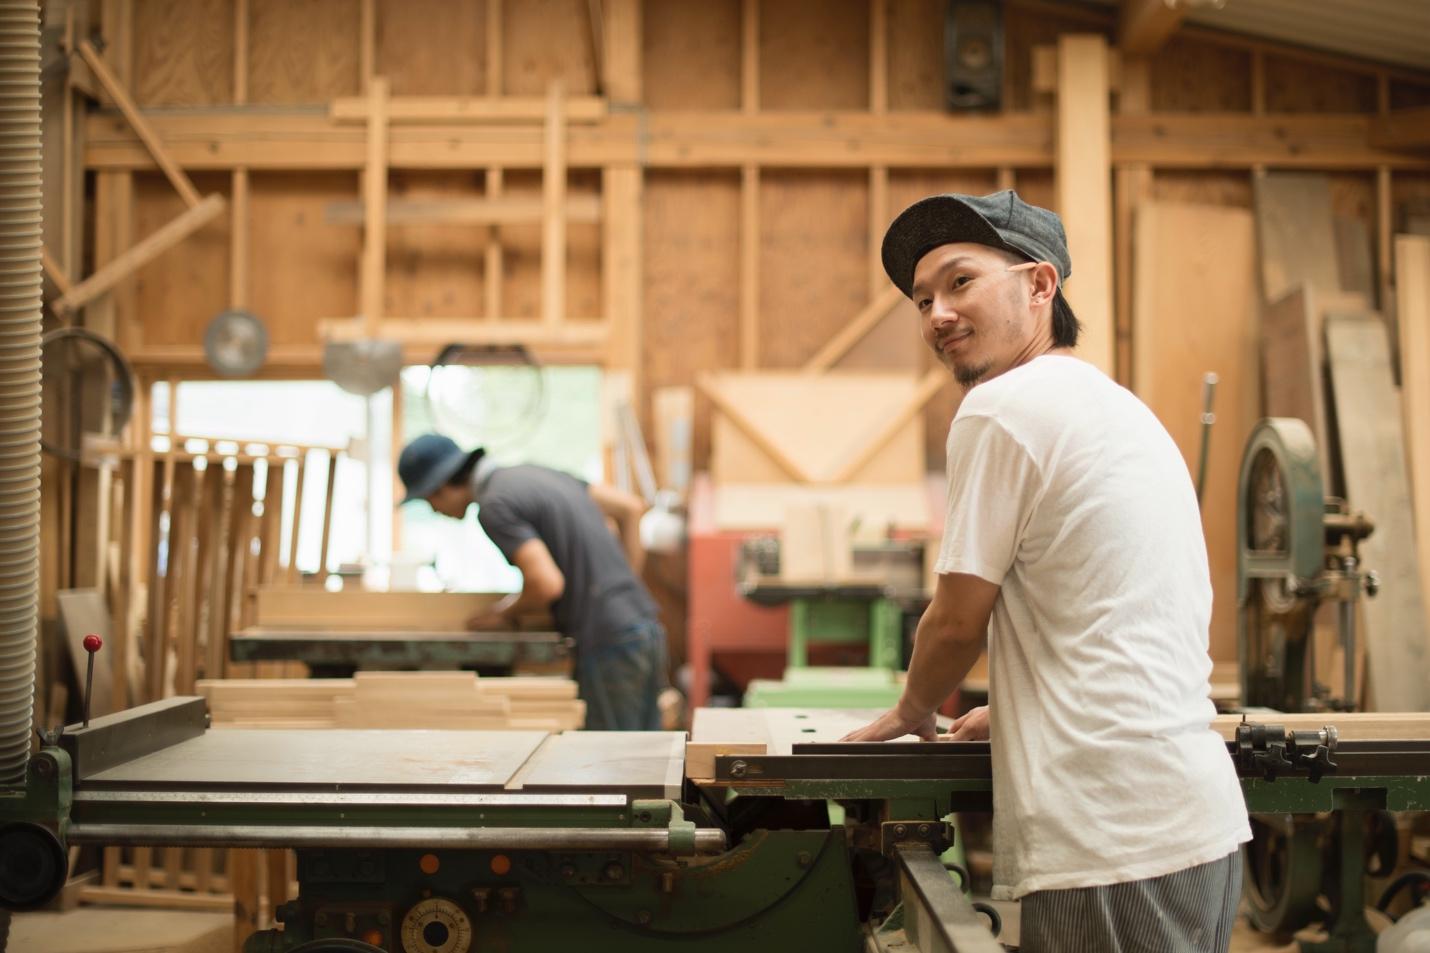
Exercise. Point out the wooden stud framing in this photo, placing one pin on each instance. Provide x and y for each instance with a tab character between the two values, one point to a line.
504	210
879	212
553	195
852	332
492	272
750	192
374	189
473	110
1083	178
1132	185
929	385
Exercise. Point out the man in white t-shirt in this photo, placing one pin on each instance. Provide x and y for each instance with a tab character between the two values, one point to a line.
1073	548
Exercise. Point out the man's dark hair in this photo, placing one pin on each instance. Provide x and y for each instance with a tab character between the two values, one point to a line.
464	476
1065	324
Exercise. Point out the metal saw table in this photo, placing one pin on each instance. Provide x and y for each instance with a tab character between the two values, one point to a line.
462	841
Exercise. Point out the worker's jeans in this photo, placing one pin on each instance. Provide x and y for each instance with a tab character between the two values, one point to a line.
622	677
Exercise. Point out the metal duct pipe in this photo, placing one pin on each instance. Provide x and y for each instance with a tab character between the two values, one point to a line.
19	379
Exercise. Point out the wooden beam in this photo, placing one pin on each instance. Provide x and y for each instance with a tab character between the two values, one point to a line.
1084	188
553	198
879	214
472	110
932	382
1402	129
492	259
750	267
54	271
1132	185
442	331
374	189
141	127
621	270
622	29
367	43
142	252
223	139
851	334
504	210
1144	25
595	31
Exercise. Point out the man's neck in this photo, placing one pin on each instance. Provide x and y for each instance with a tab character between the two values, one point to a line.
481	474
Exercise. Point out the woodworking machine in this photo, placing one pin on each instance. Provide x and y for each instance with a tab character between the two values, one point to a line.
451	841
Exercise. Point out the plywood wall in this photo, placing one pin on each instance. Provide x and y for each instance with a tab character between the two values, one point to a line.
817	229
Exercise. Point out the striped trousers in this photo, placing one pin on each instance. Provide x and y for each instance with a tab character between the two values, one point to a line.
1188	911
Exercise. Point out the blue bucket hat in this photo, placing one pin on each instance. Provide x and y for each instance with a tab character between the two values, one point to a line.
429	463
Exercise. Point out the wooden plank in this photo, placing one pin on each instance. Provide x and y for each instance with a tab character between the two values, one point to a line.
137	122
1368	421
440	331
204	139
327	532
700	758
553	198
431	611
749	314
1352	726
751	429
1412	311
1403	129
1084	187
1295	234
139	254
1185	325
495	210
1294	365
297	525
673	410
475	110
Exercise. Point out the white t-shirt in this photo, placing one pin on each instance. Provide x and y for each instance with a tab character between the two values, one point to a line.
1066	491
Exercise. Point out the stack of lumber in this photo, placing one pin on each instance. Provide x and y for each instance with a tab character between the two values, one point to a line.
433	700
350	610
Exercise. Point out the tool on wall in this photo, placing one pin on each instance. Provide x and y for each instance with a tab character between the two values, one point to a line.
235	343
87	387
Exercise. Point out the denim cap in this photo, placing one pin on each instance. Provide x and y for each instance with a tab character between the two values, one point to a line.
428	463
1001	220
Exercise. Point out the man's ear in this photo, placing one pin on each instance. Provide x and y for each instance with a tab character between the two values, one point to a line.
1045	283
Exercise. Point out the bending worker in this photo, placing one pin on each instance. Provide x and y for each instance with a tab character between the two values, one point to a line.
1073	547
553	528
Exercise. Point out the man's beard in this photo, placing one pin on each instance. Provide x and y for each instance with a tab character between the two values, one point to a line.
969	374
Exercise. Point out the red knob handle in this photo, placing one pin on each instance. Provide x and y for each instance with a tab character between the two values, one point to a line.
92	643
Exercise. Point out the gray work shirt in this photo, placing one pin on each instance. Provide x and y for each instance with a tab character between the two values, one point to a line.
602	597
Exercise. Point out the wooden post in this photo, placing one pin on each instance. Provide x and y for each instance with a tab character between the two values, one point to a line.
1084	188
553	221
1132	187
879	212
238	232
1384	227
750	194
294	537
374	248
621	186
492	272
327	517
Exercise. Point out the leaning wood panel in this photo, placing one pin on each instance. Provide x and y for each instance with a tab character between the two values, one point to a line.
302	53
1412	273
1295	234
812	277
1194	312
800	40
1368	421
691	263
432	47
183	52
690	57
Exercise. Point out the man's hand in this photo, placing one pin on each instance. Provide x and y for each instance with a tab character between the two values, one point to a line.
972	726
891	724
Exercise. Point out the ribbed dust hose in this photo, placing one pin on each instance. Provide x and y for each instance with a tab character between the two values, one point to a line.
20	240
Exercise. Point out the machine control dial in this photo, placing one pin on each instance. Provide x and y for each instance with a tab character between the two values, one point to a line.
436	925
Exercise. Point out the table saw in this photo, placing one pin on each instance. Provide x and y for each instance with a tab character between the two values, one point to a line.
455	841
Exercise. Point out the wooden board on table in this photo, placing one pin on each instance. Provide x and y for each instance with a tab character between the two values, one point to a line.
1351	726
818	422
1368	422
1296	233
1194	311
750	506
85	612
1412	310
294	607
